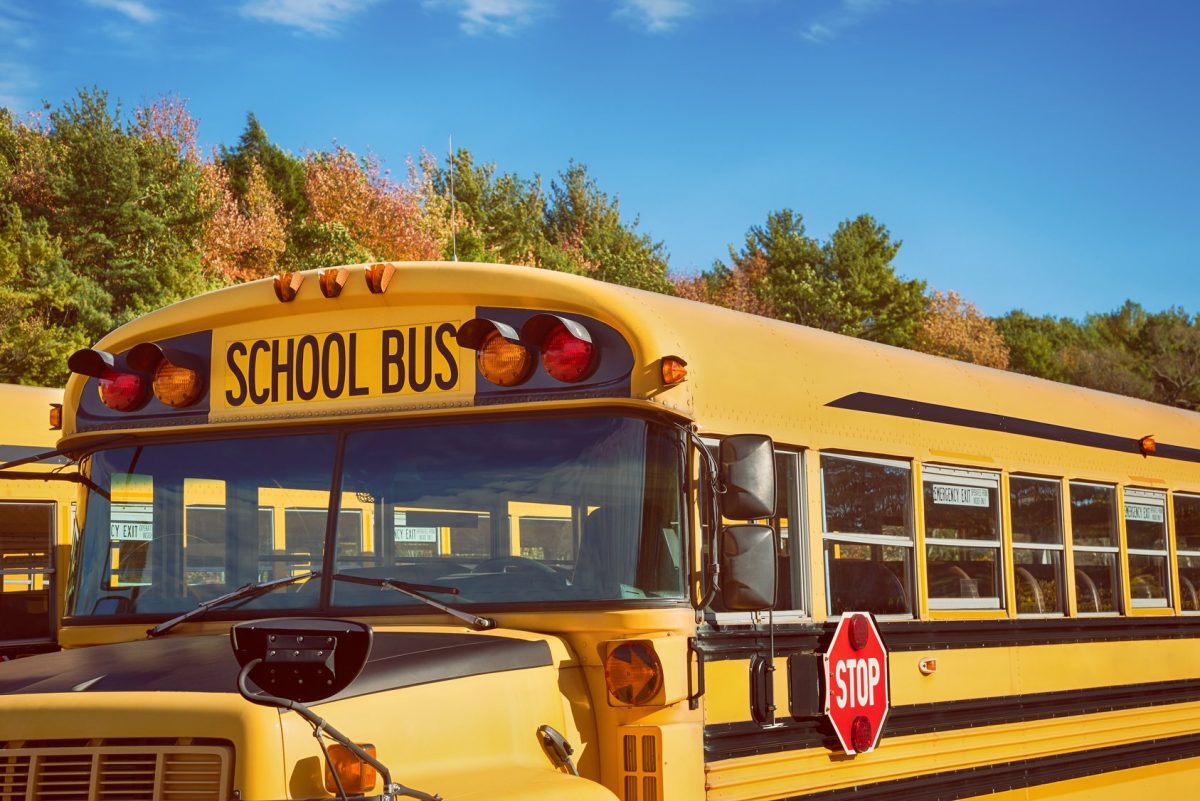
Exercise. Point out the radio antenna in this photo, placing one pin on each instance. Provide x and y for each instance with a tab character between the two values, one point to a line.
453	216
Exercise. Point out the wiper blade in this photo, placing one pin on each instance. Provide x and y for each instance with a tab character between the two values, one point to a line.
418	591
244	591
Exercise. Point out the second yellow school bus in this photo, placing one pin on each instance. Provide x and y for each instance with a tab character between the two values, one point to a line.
500	525
36	503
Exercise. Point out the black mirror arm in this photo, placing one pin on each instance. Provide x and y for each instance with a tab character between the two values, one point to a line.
711	477
321	726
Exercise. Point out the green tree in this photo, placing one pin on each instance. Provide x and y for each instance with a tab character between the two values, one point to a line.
1037	345
585	226
100	220
284	173
847	284
498	217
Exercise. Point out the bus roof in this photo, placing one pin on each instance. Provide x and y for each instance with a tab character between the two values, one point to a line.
744	372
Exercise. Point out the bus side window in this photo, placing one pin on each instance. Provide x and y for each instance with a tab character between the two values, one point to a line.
1095	546
962	538
1187	549
1149	565
868	534
788	522
1035	508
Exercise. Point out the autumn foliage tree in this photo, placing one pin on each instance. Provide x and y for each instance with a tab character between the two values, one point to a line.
955	328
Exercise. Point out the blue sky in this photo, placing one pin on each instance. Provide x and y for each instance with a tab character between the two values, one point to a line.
1035	154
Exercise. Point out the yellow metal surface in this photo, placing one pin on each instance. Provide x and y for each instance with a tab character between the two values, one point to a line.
775	776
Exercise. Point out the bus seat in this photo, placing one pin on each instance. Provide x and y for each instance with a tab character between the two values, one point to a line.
1085	589
858	585
1031	584
597	573
1188	591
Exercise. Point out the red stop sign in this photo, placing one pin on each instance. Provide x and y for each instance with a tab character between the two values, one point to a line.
856	682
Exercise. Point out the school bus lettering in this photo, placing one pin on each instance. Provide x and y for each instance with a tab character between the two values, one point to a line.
341	365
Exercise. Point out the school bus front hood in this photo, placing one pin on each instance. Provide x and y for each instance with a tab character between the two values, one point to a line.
206	664
453	711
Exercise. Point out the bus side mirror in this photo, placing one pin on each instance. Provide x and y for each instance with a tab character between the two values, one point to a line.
747	470
748	567
297	659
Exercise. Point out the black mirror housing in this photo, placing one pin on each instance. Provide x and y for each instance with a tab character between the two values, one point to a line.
747	470
748	568
301	659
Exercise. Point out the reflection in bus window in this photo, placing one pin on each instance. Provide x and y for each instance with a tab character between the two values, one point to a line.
1094	546
1187	549
1035	507
186	522
962	538
1146	536
571	509
868	534
27	534
790	586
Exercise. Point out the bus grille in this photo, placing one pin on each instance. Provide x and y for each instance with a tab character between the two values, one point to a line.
641	762
153	772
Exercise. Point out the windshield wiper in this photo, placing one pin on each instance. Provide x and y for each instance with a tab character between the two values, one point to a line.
418	591
244	591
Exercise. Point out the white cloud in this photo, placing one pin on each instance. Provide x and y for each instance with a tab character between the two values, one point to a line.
310	16
846	15
478	17
133	9
655	16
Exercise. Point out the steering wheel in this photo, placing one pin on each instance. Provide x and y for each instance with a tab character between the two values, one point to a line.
515	564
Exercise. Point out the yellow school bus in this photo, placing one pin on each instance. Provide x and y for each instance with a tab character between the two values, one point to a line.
471	531
36	501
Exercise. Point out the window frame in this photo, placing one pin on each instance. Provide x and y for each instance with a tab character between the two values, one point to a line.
1181	552
798	546
1148	497
1061	546
965	477
1118	592
858	538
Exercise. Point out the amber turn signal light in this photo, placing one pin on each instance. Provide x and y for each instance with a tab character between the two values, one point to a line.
674	370
357	778
633	673
56	417
1147	445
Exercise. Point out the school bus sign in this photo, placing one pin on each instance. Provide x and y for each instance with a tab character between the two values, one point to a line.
856	682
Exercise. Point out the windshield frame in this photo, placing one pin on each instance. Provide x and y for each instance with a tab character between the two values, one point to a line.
671	426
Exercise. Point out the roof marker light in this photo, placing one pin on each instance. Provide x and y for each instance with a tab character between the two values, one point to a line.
287	285
332	281
378	277
177	377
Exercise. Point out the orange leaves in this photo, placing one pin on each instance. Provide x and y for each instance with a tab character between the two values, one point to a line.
240	243
167	119
384	217
955	328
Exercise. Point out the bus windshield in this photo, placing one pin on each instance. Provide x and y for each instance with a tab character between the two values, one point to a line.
523	511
